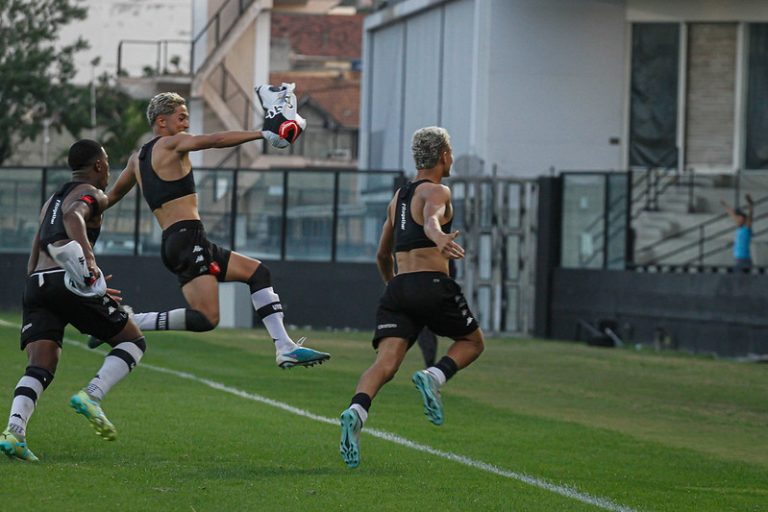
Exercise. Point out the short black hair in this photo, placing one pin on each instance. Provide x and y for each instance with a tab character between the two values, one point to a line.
83	153
740	213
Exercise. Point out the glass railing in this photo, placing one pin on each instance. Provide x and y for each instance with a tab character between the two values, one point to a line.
306	214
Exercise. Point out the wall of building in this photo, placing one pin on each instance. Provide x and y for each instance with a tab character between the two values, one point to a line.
520	85
556	85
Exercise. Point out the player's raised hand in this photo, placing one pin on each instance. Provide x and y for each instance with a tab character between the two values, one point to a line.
450	249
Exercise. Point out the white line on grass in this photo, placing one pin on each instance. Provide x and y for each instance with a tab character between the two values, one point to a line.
563	490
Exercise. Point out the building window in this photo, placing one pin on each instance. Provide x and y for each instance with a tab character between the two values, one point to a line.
653	95
756	144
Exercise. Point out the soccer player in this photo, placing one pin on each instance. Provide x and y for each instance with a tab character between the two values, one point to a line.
418	228
164	173
65	286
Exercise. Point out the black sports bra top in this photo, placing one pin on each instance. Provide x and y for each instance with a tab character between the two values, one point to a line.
52	229
408	234
157	191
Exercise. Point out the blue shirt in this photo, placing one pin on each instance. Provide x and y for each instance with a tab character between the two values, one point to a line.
742	242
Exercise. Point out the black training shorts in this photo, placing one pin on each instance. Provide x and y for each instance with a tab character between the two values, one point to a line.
187	252
416	299
49	306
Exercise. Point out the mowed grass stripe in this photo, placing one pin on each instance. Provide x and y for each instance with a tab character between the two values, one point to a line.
513	409
565	491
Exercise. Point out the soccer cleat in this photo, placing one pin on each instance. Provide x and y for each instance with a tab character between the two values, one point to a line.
430	393
15	449
90	408
301	356
282	123
349	447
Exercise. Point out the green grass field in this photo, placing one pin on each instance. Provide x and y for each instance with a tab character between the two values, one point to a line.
629	430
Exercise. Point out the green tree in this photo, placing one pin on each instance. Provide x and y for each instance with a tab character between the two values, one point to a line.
35	74
120	119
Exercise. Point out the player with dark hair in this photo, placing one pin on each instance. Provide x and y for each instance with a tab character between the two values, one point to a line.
418	229
164	173
65	286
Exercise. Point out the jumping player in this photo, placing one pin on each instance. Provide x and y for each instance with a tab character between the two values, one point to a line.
164	173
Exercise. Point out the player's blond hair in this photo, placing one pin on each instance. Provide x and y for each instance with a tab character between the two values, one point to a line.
163	104
427	144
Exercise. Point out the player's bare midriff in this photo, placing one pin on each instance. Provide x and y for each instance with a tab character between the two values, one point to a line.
425	259
182	208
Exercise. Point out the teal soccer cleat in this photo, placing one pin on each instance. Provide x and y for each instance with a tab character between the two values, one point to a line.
349	447
301	356
15	449
90	408
430	393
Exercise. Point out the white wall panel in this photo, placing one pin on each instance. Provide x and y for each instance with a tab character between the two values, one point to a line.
457	74
422	78
385	84
556	85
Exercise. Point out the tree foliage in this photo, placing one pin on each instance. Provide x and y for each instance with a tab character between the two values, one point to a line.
35	71
120	119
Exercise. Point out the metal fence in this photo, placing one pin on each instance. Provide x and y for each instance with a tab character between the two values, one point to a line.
276	214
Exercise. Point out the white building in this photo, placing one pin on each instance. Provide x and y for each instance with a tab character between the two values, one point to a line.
529	85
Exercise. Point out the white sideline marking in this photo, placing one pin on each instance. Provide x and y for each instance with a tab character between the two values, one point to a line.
563	490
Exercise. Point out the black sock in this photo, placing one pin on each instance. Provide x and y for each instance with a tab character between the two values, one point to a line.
447	366
363	400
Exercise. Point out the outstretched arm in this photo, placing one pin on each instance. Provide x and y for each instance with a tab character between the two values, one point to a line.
184	142
435	203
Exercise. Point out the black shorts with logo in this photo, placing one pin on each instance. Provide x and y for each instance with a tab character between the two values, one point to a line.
49	306
189	254
416	299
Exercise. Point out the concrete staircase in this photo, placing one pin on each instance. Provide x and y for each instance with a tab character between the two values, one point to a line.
686	223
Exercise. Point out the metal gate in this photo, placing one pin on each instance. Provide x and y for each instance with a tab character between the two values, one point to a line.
496	217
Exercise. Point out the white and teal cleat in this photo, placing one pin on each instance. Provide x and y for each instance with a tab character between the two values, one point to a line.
349	447
430	394
90	408
15	449
301	356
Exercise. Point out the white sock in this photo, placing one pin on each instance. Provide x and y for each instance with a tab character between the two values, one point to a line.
23	406
146	321
118	363
268	307
173	320
438	374
361	412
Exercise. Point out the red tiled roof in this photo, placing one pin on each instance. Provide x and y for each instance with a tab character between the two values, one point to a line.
338	96
320	35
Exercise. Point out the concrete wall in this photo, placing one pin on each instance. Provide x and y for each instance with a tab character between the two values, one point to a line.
702	313
314	294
